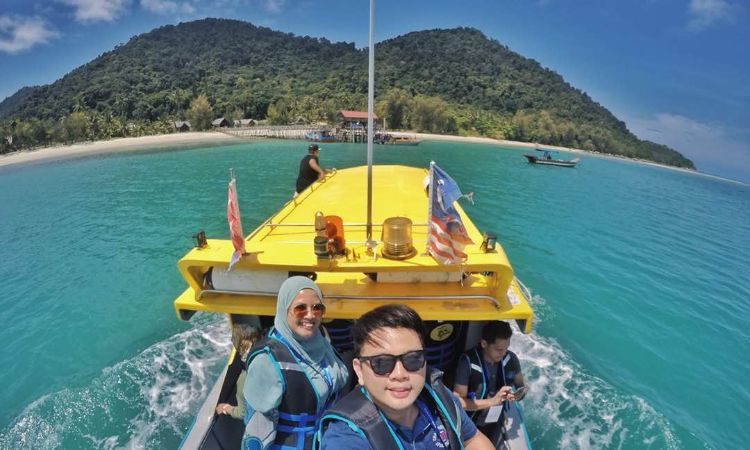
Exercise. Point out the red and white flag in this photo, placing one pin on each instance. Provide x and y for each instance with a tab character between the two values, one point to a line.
235	224
446	236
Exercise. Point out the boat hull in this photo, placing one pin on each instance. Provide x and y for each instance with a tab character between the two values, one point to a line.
319	136
551	162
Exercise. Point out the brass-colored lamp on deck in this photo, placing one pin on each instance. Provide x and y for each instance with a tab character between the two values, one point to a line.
396	238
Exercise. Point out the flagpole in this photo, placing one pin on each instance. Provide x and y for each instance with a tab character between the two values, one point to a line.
370	104
430	193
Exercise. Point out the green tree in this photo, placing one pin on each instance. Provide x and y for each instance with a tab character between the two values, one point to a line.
279	112
76	127
393	107
200	113
429	114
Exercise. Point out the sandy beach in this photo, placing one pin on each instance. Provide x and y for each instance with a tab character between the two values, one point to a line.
175	140
192	139
181	140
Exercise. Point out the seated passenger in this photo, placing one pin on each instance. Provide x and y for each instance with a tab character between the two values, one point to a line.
398	404
293	374
230	399
484	377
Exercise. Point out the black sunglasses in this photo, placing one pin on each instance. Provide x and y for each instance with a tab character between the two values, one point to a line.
384	364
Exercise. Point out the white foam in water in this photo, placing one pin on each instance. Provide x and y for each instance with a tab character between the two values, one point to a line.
144	402
568	408
149	401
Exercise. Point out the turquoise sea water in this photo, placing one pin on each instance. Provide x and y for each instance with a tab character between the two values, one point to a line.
639	275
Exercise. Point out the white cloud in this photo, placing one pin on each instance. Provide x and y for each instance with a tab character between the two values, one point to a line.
274	6
97	10
167	6
712	148
19	33
705	13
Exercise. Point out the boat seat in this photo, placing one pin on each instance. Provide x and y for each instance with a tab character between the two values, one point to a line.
225	433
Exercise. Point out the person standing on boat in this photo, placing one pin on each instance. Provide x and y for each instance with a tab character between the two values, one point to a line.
293	374
399	404
309	169
484	377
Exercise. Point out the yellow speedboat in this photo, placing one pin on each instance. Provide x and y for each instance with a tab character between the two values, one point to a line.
360	278
323	233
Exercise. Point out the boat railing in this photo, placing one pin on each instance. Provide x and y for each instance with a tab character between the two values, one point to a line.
524	290
489	298
347	224
293	201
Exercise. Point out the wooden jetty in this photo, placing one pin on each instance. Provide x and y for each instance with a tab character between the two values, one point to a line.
352	135
271	131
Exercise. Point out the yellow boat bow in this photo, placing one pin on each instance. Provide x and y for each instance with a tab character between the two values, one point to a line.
358	279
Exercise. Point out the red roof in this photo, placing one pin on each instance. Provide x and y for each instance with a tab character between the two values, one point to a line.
356	115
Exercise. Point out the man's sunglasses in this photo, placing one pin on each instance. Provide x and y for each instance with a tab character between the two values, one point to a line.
384	364
300	310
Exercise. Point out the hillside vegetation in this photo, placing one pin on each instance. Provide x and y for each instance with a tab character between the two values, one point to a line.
441	81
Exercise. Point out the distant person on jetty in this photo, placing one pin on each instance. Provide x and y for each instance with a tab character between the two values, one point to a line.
293	374
399	403
484	377
309	169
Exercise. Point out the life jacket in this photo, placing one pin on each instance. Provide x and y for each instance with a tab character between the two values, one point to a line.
361	414
479	387
300	409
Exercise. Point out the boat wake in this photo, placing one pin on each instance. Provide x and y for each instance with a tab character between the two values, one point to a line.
567	408
148	401
143	402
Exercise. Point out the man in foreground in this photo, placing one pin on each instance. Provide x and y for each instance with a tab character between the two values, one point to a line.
397	404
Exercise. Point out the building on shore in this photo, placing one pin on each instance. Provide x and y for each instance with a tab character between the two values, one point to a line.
221	122
182	125
352	126
245	123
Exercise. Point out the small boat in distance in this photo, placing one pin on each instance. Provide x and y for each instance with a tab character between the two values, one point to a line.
547	159
392	139
320	136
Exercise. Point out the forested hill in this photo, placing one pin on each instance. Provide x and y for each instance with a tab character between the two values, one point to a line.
445	81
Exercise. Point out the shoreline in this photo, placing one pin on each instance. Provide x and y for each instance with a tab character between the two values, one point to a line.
194	138
117	145
532	146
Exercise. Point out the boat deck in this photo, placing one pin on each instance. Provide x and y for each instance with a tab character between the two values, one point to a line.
284	243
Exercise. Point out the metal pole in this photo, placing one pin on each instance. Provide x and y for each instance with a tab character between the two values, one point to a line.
370	105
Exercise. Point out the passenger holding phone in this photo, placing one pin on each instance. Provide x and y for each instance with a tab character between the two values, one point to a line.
485	377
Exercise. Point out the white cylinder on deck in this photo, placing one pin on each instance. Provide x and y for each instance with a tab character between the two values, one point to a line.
418	277
239	280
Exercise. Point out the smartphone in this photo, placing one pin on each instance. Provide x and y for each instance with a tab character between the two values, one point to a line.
520	392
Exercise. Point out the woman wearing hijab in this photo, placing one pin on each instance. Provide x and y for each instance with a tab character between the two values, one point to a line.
293	374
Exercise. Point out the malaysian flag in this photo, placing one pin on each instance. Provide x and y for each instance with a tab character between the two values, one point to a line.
446	236
235	224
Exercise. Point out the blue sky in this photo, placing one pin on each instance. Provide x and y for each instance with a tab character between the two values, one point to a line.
676	71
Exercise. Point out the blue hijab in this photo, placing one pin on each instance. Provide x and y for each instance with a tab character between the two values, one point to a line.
316	351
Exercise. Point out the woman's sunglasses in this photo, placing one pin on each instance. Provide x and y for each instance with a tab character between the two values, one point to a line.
384	364
300	310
